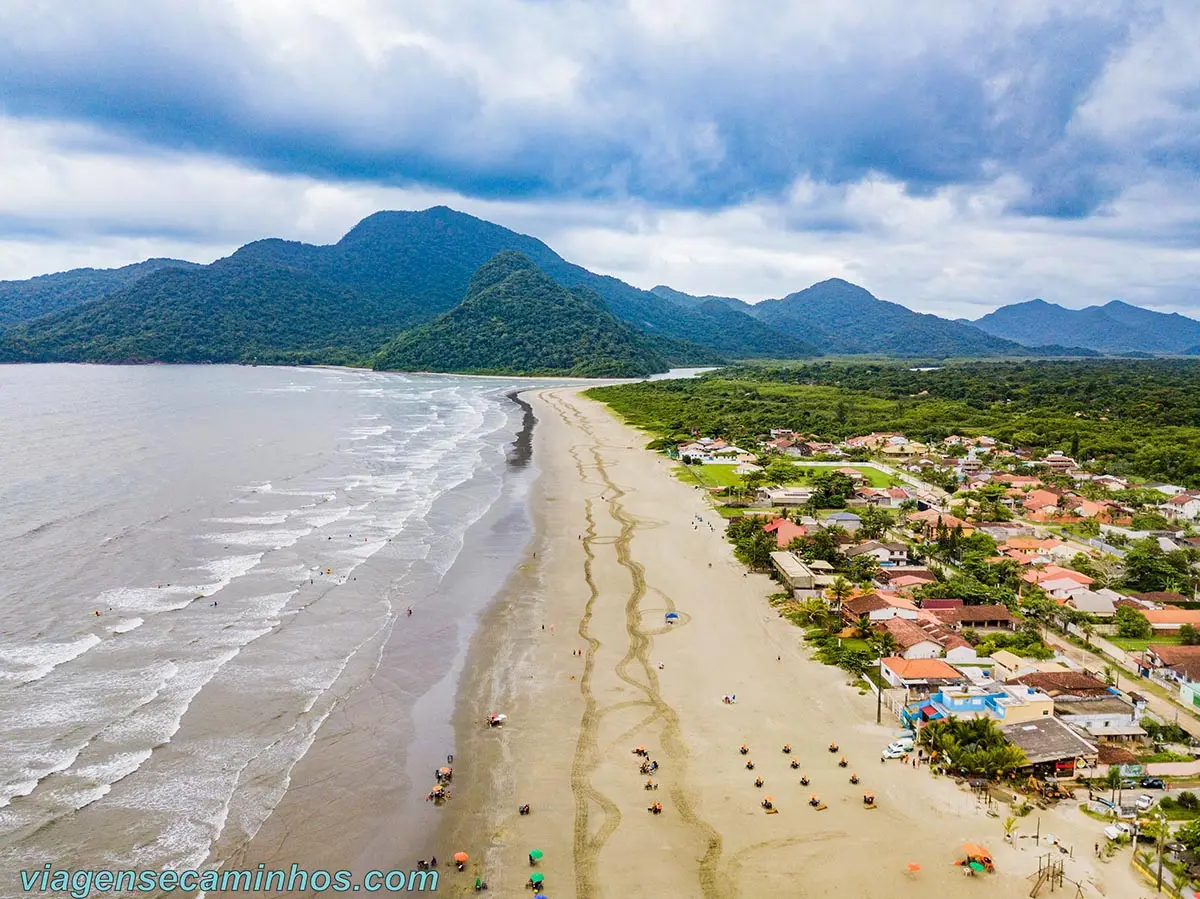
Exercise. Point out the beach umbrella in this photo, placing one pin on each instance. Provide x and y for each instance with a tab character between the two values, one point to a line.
671	616
537	877
535	853
976	866
768	799
443	770
461	857
913	866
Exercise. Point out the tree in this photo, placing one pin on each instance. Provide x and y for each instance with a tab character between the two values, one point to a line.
884	644
1189	834
1189	636
862	568
1132	623
840	590
755	550
874	522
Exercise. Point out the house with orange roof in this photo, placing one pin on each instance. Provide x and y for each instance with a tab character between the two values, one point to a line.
1042	501
785	531
1040	576
921	676
1171	620
911	641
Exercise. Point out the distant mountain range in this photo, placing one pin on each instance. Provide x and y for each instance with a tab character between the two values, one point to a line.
397	291
1115	327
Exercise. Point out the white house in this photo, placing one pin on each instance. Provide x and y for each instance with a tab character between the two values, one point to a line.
1184	506
883	553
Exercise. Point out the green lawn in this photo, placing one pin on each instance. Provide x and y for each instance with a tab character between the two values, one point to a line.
710	475
1136	644
723	475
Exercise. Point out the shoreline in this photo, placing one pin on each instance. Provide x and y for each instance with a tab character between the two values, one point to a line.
565	749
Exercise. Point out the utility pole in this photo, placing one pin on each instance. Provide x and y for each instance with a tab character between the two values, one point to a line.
879	694
1162	827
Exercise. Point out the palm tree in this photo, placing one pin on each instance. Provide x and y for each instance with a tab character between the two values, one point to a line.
885	644
1087	630
1010	826
839	591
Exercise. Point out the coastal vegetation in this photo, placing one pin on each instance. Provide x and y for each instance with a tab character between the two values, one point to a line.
1133	418
972	746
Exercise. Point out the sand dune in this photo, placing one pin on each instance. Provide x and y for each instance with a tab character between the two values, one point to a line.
617	550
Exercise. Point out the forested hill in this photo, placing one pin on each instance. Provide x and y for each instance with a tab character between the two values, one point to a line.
24	300
514	319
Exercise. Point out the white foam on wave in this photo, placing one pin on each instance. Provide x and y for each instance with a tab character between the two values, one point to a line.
274	518
264	487
168	598
26	664
320	519
229	569
277	539
128	624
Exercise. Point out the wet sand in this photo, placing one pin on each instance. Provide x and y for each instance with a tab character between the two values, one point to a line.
615	551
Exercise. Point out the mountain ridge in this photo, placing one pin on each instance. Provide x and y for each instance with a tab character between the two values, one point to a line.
1116	327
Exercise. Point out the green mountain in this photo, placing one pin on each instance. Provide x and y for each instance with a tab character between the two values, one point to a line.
231	311
1115	327
514	319
842	317
24	300
414	266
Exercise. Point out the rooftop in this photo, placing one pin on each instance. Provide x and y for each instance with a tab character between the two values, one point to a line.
1048	740
1056	683
1099	705
922	669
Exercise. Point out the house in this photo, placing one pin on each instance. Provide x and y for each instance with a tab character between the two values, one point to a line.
1183	506
1041	501
1106	719
883	553
785	531
1051	573
891	576
1051	747
911	641
1004	531
1175	663
872	441
904	452
929	520
978	618
1111	482
1062	588
1171	620
905	582
1003	703
1059	462
1065	683
787	496
1160	598
923	676
884	497
1101	603
794	573
877	607
848	521
1008	665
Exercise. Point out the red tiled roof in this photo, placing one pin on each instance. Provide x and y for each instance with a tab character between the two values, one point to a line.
969	614
1075	683
906	633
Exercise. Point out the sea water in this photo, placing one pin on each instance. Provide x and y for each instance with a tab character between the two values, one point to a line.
203	567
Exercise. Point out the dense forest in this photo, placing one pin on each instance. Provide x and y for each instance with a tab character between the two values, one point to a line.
1139	418
516	320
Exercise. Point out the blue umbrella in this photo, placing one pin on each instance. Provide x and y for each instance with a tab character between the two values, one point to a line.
672	615
540	896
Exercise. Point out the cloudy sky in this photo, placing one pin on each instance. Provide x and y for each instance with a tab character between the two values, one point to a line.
952	155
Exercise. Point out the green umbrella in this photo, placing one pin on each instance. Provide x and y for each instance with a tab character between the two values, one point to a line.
537	876
535	854
976	866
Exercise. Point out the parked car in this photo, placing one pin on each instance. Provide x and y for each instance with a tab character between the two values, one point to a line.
894	751
1117	831
1144	802
1153	783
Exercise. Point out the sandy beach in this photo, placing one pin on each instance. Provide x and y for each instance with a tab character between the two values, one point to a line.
617	548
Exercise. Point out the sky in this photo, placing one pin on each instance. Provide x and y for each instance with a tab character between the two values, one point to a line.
950	155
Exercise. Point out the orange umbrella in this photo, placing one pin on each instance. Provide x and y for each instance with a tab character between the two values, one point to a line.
461	857
768	799
913	866
976	851
443	770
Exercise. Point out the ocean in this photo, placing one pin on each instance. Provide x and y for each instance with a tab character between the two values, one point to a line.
206	574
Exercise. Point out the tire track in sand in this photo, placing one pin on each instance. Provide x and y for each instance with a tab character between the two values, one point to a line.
587	847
